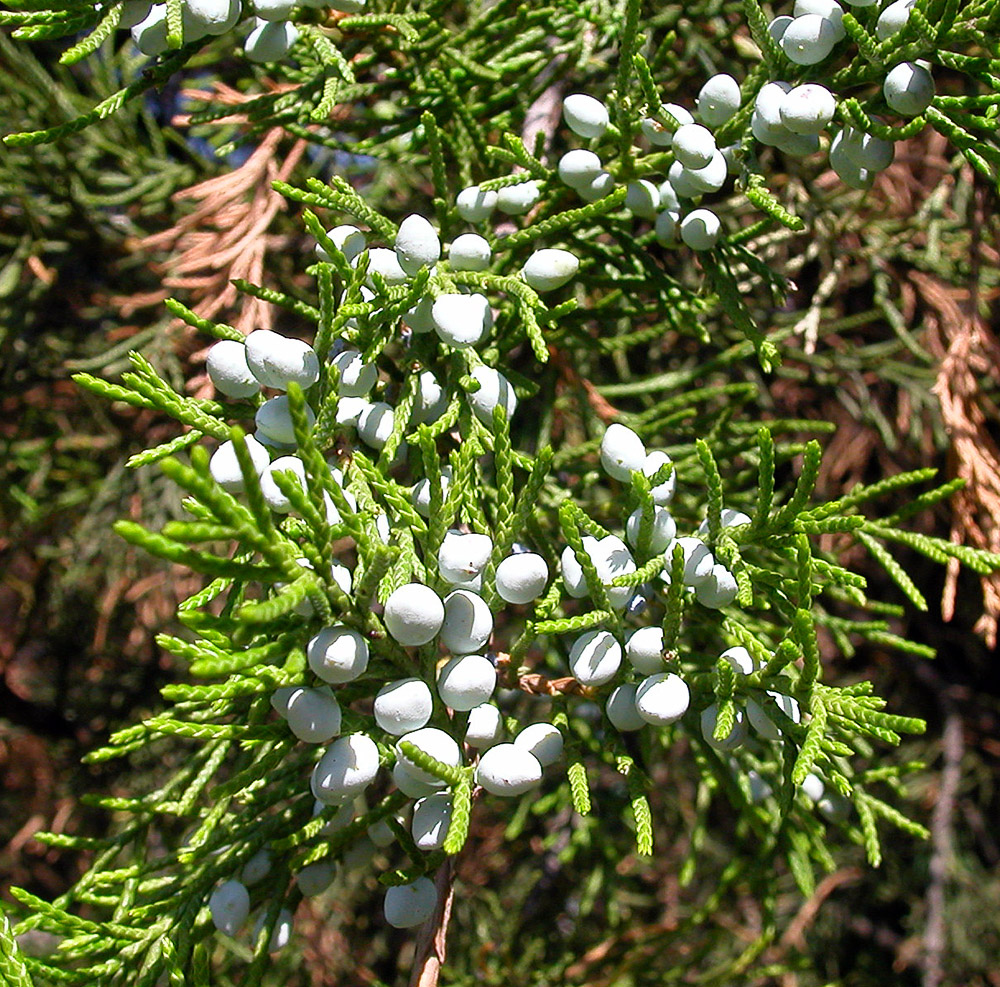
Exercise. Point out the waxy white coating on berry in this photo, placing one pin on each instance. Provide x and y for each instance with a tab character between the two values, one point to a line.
494	390
270	40
421	494
621	709
760	721
550	268
768	102
829	9
866	150
741	660
595	657
642	198
409	785
893	18
662	698
710	178
813	787
256	868
719	590
622	452
718	100
413	614
274	420
408	905
314	879
462	320
403	706
777	27
225	467
348	767
470	252
213	17
847	169
474	205
357	378
431	401
543	740
349	240
269	488
417	244
521	578
729	517
602	184
808	109
662	532
466	682
375	424
682	183
508	770
337	654
693	145
700	229
644	650
613	559
229	905
313	715
579	168
665	229
462	557
663	492
662	136
431	819
228	370
133	12
514	200
433	742
485	727
270	10
908	88
383	261
572	571
808	39
150	34
468	623
737	733
698	560
585	115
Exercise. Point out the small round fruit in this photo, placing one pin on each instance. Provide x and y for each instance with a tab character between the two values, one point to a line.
229	906
348	767
413	614
508	770
462	320
543	740
431	819
585	115
808	109
474	205
274	420
644	650
622	452
663	492
228	369
467	625
662	698
521	578
514	200
357	378
595	657
417	244
908	88
408	905
642	199
375	424
621	709
809	39
337	654
466	682
470	252
313	715
693	145
462	557
550	268
718	100
270	40
737	733
485	727
494	390
661	534
700	229
579	168
433	742
403	706
277	360
225	467
271	492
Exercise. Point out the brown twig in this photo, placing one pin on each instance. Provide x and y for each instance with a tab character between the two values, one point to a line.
431	942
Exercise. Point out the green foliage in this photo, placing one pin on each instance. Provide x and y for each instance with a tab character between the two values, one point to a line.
291	554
